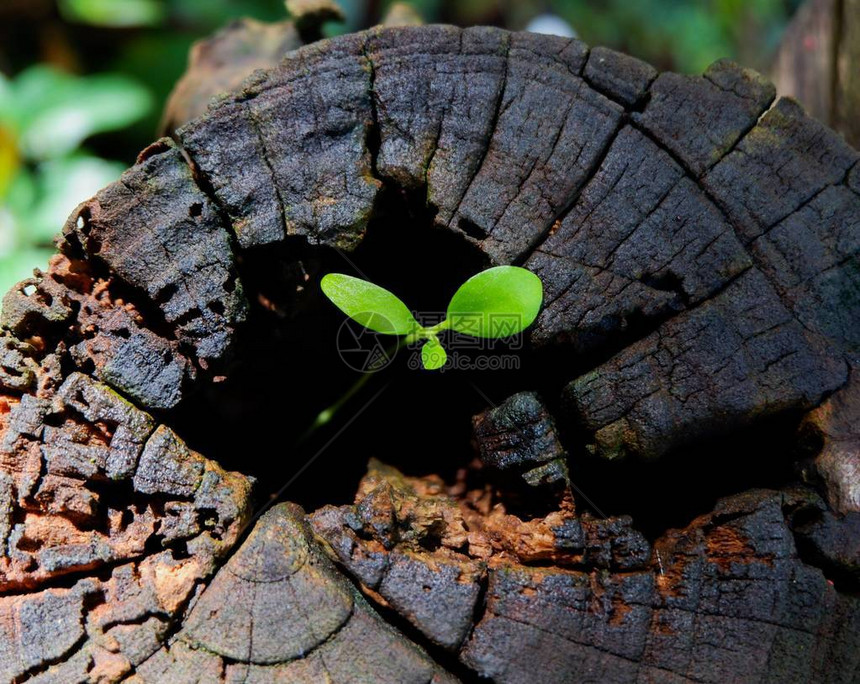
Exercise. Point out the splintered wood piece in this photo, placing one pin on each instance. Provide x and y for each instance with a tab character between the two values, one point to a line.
815	63
140	228
519	436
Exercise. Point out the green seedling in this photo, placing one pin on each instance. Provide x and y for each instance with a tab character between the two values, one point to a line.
499	302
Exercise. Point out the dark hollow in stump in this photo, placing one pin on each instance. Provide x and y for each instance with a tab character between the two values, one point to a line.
634	504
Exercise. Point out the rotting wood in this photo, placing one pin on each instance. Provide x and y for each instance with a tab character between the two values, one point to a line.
568	593
707	274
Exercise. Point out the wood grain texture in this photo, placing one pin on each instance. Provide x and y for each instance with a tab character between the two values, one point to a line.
699	250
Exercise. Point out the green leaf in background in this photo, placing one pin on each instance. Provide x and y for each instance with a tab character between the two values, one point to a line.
53	112
433	354
17	265
19	202
62	185
114	13
35	206
372	306
498	302
18	255
45	115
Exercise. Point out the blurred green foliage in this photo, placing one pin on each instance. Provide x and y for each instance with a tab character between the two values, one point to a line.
45	117
114	13
681	35
58	130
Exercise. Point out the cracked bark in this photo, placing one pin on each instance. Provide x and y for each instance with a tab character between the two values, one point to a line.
700	261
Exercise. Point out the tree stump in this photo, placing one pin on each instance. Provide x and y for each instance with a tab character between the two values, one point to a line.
625	508
818	62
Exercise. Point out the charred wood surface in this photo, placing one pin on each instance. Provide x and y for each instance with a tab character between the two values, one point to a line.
699	246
